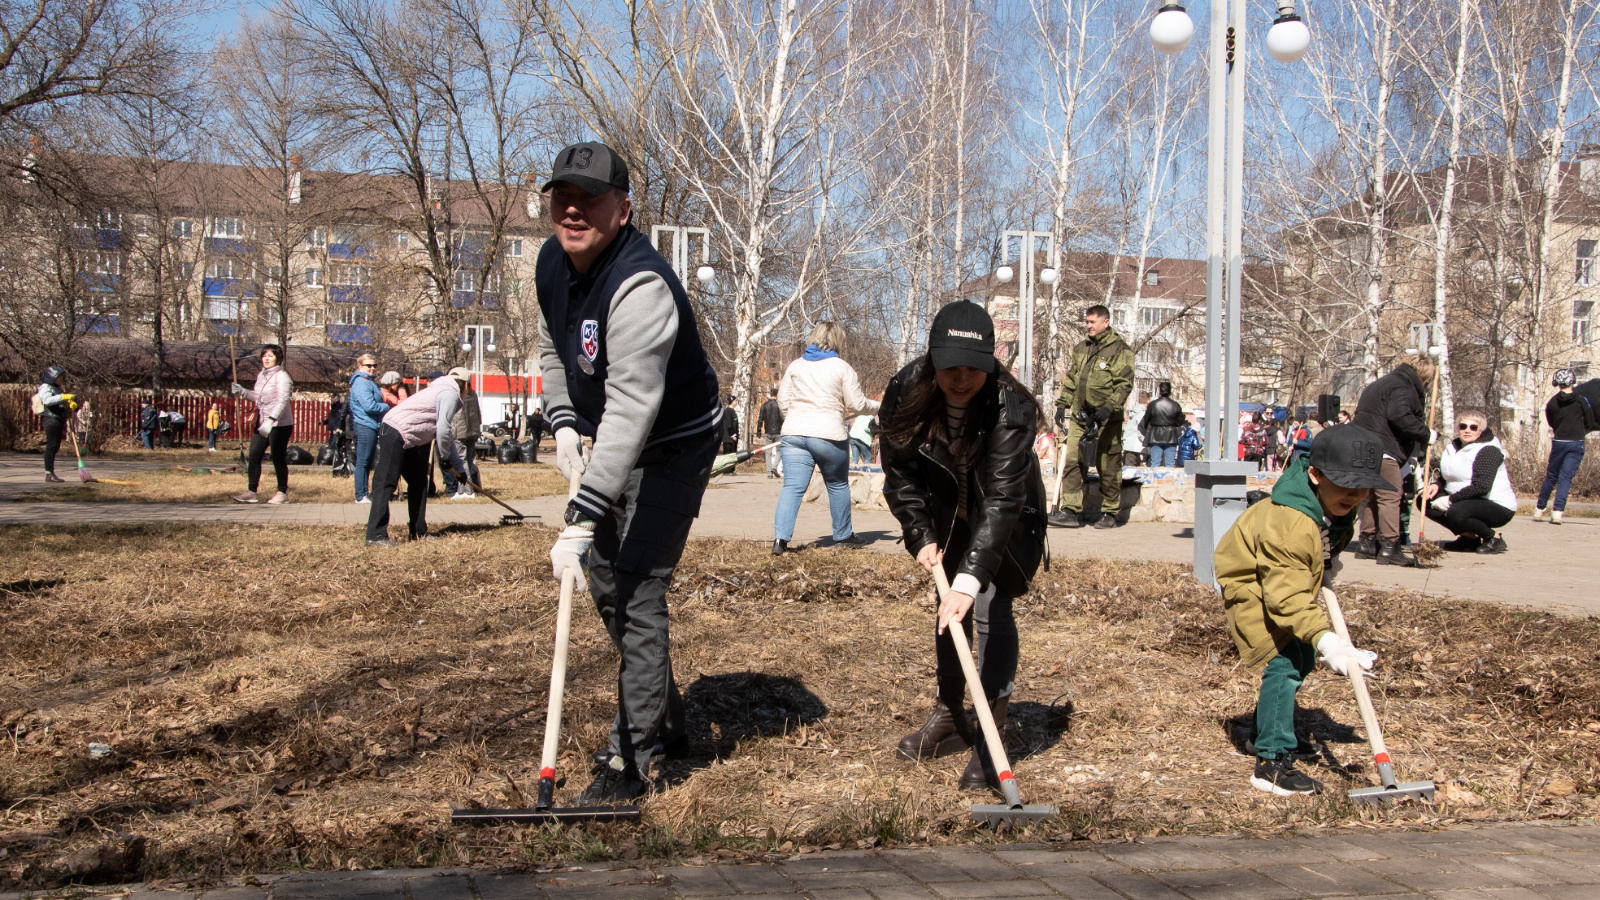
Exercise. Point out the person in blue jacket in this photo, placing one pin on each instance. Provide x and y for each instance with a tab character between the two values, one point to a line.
366	411
1189	445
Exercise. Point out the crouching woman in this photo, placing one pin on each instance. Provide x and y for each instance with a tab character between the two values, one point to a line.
960	475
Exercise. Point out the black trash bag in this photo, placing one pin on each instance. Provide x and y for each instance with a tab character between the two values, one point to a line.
530	451
484	448
300	456
509	453
325	455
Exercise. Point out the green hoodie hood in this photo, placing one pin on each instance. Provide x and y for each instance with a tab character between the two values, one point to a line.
1294	490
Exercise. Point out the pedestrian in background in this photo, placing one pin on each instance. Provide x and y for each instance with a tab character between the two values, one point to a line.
149	421
1392	408
53	407
818	392
272	395
770	424
367	408
1095	389
1190	444
466	426
1133	431
1570	419
213	427
862	428
394	389
1164	424
419	422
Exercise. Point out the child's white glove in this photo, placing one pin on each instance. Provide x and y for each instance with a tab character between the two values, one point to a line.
571	551
1337	653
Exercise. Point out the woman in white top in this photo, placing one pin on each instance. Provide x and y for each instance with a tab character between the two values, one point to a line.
271	396
818	393
1471	494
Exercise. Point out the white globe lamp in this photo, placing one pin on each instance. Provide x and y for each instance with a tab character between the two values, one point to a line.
1004	274
1171	29
466	347
1048	276
704	274
1289	39
488	348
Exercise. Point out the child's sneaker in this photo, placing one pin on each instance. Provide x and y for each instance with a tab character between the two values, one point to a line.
1280	777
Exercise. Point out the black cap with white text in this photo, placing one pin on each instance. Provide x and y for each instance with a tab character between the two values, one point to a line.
1351	457
962	335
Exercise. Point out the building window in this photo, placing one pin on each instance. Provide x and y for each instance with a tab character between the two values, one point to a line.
1582	315
1153	316
141	225
225	268
108	264
313	278
347	235
274	276
352	314
516	248
1152	277
1119	317
1586	252
1180	356
1579	369
227	227
274	316
226	309
186	270
317	239
464	281
313	317
182	228
402	240
349	275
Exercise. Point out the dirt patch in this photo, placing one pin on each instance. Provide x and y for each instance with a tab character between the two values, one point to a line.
213	482
205	703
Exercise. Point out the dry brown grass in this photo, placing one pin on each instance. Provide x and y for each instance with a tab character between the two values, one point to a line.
307	484
278	698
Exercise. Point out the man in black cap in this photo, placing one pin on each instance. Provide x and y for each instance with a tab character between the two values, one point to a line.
1272	566
623	365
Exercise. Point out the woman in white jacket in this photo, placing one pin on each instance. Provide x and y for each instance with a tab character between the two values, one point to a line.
271	396
818	393
1471	494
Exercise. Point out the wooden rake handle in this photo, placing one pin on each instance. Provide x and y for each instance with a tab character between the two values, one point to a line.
558	677
991	734
1369	717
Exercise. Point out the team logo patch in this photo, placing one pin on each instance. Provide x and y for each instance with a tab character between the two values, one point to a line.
591	339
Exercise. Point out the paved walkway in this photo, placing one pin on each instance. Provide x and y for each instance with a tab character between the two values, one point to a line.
1509	862
1548	567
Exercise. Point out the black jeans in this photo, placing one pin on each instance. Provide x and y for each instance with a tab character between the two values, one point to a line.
53	427
997	653
1477	516
278	443
396	461
636	548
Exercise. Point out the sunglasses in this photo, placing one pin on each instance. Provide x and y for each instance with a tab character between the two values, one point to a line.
1468	427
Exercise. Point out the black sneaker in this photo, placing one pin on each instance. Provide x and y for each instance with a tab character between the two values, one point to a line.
1496	544
1107	521
612	786
1066	518
854	540
1280	777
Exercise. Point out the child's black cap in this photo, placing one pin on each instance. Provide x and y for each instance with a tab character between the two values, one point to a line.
1351	457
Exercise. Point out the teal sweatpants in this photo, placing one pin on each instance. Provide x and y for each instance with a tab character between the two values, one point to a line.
1280	681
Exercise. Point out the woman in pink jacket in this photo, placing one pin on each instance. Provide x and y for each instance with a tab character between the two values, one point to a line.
271	397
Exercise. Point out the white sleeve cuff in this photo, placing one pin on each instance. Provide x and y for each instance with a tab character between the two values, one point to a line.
967	584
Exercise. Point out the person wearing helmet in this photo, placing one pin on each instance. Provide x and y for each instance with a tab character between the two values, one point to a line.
1569	416
54	406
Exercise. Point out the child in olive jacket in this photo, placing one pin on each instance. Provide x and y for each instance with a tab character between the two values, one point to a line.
1272	565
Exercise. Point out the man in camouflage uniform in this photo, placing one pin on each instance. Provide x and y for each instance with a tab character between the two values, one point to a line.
1092	397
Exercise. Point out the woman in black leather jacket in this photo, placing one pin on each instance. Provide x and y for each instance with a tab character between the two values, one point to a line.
960	475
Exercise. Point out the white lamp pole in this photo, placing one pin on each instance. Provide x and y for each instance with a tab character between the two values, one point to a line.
1220	478
680	250
479	339
1026	288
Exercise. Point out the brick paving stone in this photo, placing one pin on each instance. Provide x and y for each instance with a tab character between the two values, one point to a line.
1140	887
1542	839
607	892
1566	891
599	878
1511	893
925	866
1226	884
1522	869
1074	863
701	882
755	879
977	863
237	893
843	894
448	887
1588	859
1272	853
979	890
1433	874
841	862
902	892
321	887
505	887
1330	880
1167	855
1027	857
1082	887
820	881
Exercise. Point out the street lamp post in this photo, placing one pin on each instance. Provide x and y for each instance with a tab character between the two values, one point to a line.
1220	478
680	250
1026	288
479	340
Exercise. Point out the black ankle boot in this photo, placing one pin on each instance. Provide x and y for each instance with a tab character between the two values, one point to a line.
1390	553
937	737
1364	549
980	772
779	547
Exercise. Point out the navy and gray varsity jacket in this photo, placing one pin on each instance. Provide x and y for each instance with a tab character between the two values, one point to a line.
621	359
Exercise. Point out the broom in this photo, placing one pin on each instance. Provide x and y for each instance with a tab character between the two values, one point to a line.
83	471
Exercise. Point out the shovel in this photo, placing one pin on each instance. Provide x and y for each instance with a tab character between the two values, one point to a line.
544	813
1390	791
1013	810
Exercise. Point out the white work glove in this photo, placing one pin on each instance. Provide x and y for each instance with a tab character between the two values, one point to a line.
266	427
1337	653
571	551
569	452
1441	503
237	389
1433	436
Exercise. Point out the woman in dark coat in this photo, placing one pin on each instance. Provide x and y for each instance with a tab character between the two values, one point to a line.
960	476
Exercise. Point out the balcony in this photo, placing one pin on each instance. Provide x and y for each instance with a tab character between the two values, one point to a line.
349	251
104	323
348	293
350	334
